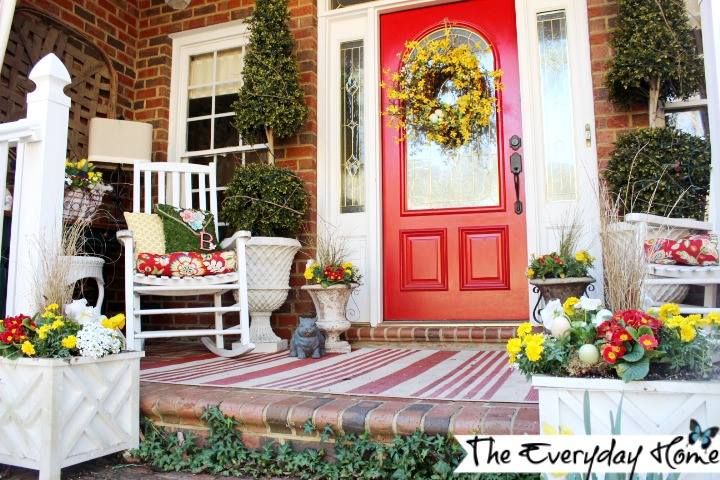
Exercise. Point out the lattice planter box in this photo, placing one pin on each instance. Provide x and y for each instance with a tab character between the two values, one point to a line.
649	407
59	412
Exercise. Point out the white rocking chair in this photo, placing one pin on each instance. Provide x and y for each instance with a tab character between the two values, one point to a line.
651	226
184	185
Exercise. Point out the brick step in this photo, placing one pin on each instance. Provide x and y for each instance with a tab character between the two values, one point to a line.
489	337
275	415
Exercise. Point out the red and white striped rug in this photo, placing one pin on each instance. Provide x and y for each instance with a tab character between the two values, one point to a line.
386	372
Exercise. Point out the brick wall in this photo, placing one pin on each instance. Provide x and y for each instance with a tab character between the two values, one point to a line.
610	120
112	26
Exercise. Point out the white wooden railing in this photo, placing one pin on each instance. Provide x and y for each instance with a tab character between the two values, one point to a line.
40	141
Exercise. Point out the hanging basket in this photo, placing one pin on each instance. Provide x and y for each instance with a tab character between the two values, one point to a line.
81	203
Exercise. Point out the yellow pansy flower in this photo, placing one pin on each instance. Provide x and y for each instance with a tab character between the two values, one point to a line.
569	305
514	346
687	333
56	324
584	257
114	323
534	351
668	310
530	273
524	329
310	271
28	348
346	265
714	318
43	332
69	342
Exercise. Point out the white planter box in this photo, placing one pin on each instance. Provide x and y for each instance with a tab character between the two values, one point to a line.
59	412
652	407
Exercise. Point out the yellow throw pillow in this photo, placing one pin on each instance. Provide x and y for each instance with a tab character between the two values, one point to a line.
147	230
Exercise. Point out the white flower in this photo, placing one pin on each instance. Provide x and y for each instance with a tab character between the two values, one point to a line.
602	316
80	312
588	304
551	311
96	341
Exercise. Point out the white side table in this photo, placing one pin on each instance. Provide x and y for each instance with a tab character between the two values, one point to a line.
82	267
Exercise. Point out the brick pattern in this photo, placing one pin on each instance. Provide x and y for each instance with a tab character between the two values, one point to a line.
271	414
450	334
610	120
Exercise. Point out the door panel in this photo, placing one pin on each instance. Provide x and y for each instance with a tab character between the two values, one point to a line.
454	249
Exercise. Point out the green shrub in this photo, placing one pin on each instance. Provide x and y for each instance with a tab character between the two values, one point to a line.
267	200
418	456
651	169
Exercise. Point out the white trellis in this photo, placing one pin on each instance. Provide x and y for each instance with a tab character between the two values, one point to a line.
40	140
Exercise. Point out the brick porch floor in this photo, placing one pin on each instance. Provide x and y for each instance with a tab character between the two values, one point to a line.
267	414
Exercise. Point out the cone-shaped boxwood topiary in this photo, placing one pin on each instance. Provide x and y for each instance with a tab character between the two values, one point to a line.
271	101
267	200
656	57
652	168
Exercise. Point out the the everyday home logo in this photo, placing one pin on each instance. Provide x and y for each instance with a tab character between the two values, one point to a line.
692	453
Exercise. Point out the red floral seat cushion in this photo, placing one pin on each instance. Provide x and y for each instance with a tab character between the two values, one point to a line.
186	264
696	250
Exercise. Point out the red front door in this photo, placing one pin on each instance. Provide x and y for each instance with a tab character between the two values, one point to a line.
454	247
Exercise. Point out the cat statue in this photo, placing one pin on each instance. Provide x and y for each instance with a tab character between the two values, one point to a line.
307	340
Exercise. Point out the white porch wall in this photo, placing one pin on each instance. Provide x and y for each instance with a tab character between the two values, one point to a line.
710	12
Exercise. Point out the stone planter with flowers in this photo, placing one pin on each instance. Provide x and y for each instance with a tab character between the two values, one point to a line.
333	279
84	191
655	367
68	391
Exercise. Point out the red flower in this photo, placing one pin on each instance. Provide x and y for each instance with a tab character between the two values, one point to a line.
619	336
648	342
637	319
613	353
608	329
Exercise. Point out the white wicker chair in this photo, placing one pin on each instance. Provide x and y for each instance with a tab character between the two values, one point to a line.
652	226
187	186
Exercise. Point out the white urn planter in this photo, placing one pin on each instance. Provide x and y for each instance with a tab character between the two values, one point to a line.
649	407
330	305
59	412
269	260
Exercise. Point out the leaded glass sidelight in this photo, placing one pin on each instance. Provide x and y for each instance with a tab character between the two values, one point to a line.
557	111
352	168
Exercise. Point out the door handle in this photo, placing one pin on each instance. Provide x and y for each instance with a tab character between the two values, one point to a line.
516	167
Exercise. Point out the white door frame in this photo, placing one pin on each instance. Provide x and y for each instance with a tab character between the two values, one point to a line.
364	230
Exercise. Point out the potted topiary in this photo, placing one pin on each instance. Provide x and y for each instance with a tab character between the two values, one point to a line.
271	103
271	203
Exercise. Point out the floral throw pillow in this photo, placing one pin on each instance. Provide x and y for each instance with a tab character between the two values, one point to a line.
695	250
187	229
186	264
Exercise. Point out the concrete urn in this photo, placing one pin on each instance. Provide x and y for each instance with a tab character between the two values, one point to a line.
269	260
330	305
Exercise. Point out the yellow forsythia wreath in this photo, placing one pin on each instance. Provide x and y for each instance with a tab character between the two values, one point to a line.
428	70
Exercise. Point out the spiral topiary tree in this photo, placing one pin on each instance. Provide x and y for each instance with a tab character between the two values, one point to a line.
271	103
656	58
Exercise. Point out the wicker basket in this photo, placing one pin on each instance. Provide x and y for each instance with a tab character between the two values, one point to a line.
81	203
561	288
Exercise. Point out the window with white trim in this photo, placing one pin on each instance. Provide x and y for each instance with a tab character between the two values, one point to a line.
207	76
691	115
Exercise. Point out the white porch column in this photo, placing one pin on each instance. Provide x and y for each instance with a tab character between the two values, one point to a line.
7	9
710	15
39	185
